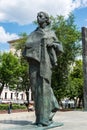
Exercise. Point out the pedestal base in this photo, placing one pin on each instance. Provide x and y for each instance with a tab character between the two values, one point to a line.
35	127
54	124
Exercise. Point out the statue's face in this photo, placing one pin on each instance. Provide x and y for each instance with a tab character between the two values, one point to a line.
41	19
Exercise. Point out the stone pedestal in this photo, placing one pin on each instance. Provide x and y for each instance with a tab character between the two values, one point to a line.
34	127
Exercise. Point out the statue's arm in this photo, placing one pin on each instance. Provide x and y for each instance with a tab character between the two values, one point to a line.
53	42
58	47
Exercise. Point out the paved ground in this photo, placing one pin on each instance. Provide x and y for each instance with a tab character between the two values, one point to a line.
73	120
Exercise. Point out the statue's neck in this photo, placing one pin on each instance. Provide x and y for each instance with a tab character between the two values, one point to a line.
43	29
43	25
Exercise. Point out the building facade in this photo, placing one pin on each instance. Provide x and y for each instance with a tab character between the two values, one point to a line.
14	96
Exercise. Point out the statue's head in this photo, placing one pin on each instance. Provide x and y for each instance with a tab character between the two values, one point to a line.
43	19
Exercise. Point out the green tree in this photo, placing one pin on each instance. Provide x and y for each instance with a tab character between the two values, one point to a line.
75	85
70	37
10	71
19	46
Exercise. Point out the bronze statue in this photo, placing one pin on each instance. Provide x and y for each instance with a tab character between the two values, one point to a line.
41	50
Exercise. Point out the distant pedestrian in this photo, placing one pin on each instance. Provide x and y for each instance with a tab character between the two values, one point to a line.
9	107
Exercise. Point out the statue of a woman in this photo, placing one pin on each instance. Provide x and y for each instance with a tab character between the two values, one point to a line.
41	50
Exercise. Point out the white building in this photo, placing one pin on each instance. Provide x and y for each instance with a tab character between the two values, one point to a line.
12	46
14	96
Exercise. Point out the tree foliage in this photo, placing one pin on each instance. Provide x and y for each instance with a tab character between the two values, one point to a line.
19	46
70	37
74	88
10	70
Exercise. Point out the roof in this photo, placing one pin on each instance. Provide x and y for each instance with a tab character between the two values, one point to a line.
13	41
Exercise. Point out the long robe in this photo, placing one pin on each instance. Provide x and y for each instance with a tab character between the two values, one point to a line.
41	50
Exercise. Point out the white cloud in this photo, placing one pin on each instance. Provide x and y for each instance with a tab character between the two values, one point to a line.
6	36
25	11
79	4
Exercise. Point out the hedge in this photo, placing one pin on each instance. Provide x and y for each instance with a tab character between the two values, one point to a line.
14	106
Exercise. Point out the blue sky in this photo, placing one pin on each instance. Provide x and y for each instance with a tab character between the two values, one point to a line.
17	16
81	17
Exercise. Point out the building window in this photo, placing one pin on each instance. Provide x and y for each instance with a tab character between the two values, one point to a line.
17	95
5	95
11	95
21	96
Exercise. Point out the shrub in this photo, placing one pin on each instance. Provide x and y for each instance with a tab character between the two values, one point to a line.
14	106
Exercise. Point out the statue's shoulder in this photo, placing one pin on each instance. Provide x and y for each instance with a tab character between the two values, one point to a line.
38	32
50	34
32	33
35	36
